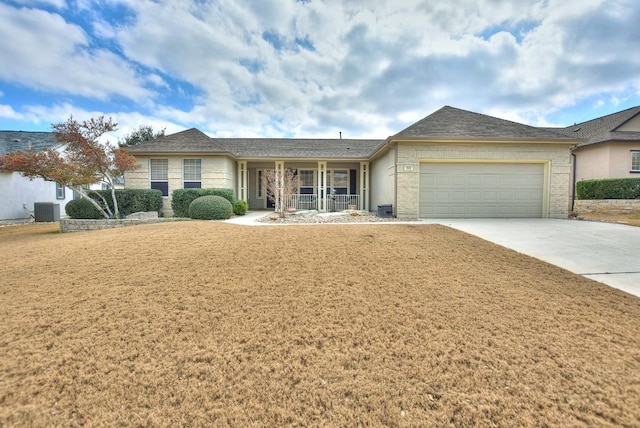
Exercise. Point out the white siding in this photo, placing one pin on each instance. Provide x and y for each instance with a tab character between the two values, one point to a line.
16	190
382	180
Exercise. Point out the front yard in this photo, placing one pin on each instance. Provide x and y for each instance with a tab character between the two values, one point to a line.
206	323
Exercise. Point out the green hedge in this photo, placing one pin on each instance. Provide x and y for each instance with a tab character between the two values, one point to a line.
182	198
610	188
131	200
210	207
82	209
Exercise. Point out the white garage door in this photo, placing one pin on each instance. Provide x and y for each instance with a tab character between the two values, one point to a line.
449	190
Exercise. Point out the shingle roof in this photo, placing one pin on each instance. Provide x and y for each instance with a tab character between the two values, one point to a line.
450	122
11	141
194	141
189	141
603	129
300	148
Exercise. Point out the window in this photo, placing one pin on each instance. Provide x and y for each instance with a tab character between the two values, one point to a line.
340	181
191	173
635	161
307	182
159	173
259	184
59	191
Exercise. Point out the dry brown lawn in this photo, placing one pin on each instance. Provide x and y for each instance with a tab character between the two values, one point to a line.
213	324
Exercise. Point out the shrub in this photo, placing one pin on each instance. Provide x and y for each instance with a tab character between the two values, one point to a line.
610	188
131	200
211	207
182	198
241	207
82	209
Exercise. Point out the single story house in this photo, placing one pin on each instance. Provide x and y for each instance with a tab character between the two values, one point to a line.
452	163
610	147
19	194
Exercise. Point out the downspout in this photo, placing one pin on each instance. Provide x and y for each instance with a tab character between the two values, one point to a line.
574	160
395	184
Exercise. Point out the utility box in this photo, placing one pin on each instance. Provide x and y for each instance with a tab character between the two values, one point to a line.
46	212
385	211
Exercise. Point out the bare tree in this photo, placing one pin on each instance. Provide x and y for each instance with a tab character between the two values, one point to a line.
280	186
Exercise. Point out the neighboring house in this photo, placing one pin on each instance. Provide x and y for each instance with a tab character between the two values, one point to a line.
17	193
611	147
452	163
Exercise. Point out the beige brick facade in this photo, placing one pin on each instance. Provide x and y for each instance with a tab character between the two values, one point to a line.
217	172
556	157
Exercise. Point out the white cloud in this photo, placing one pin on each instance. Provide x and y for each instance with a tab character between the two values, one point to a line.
278	67
7	112
43	51
55	3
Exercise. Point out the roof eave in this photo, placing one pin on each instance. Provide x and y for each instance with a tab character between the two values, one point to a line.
304	159
564	141
180	152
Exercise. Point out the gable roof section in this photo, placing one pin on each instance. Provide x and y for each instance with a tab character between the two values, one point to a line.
454	123
195	141
300	148
603	129
189	141
11	141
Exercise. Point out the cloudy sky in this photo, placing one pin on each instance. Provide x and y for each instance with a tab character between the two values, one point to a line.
314	68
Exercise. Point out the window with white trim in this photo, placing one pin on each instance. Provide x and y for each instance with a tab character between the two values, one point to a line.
159	175
307	181
192	173
60	191
340	181
635	161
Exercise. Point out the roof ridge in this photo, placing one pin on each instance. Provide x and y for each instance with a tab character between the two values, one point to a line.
454	122
608	116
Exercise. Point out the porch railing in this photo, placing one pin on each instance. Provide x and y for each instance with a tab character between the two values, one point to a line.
333	203
342	202
302	202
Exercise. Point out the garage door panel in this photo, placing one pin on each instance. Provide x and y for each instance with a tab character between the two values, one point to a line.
481	190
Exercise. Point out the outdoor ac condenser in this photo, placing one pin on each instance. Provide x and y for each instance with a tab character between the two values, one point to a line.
46	212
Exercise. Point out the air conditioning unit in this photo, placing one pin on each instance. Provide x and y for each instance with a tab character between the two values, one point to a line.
385	211
46	212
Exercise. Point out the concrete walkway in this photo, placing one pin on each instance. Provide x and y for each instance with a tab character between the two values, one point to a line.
605	252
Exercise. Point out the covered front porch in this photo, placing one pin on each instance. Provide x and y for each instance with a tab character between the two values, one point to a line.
325	186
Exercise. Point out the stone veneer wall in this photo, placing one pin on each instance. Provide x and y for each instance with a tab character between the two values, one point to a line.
78	225
607	206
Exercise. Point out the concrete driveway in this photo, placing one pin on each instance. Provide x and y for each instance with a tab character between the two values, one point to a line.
605	252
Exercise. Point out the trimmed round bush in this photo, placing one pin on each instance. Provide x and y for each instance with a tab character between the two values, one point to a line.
241	207
210	208
82	209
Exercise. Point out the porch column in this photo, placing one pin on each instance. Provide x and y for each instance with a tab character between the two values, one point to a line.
279	176
364	186
243	181
322	186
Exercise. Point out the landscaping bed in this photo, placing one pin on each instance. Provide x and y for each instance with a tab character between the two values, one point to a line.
204	323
